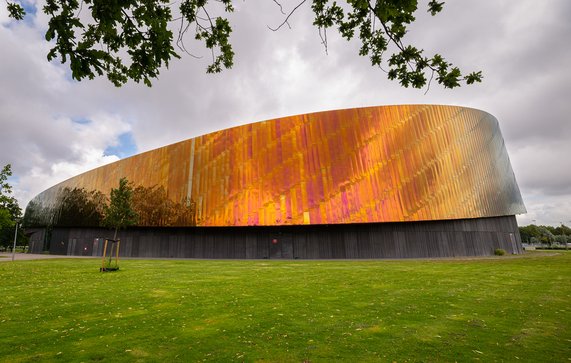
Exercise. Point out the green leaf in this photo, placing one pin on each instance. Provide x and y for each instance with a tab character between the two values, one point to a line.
15	11
132	40
435	7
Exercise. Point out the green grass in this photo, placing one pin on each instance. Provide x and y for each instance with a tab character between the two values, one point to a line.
492	310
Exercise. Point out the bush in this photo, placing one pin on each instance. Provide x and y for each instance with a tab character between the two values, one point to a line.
499	252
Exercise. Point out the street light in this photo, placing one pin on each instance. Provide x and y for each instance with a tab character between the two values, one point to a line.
15	237
565	239
563	234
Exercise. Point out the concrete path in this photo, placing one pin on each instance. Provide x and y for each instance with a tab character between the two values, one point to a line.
7	256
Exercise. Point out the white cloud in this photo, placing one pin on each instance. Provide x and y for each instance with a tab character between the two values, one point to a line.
38	104
80	148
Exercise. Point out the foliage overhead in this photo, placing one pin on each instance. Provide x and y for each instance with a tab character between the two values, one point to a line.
134	39
119	213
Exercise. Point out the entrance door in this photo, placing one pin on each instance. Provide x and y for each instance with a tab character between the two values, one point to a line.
96	247
71	246
281	246
514	244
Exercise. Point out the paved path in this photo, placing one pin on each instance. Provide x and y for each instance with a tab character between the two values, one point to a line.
7	256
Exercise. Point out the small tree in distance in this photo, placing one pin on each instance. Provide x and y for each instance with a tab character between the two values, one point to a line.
119	213
10	211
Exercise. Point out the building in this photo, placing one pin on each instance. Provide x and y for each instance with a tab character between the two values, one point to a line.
374	182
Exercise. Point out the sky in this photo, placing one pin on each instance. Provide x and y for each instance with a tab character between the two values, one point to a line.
52	127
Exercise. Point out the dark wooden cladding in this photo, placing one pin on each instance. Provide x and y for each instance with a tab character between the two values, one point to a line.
467	237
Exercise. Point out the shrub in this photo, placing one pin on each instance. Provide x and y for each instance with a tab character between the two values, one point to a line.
499	252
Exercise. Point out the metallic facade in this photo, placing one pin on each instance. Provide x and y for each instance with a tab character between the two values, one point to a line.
374	164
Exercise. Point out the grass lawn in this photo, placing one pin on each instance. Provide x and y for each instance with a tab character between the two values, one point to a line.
492	310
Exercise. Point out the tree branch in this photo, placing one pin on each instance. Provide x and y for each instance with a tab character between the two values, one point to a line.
287	17
133	24
280	5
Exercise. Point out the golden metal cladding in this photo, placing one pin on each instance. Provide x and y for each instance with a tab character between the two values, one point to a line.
374	164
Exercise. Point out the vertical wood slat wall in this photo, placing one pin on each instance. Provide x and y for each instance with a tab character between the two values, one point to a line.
466	237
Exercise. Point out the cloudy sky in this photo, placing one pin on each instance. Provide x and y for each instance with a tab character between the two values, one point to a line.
53	128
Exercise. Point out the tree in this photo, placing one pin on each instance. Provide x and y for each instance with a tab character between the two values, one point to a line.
7	201
529	232
119	213
10	211
545	235
563	230
132	39
6	220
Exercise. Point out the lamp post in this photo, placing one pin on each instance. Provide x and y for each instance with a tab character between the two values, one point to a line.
564	236
15	238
